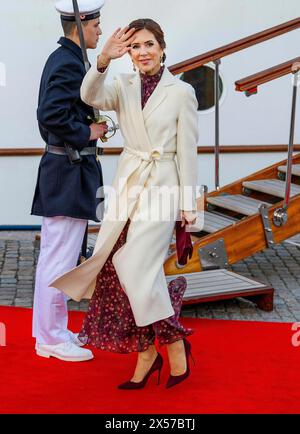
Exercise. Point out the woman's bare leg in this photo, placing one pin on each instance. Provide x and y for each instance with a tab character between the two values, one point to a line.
144	363
177	358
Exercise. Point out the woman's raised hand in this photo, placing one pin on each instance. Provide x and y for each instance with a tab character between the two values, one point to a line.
118	44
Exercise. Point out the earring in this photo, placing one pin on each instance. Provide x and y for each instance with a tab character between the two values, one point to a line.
134	68
162	60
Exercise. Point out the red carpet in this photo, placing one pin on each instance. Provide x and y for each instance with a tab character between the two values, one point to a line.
241	367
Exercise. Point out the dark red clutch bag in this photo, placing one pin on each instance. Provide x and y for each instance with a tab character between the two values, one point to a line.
184	244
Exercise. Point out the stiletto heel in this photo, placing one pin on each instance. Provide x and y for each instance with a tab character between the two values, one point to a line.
173	380
158	376
156	366
194	363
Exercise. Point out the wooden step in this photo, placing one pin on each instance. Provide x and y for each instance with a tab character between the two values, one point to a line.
237	202
222	284
274	187
295	169
211	222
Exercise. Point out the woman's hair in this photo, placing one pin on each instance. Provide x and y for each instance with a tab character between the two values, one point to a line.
153	27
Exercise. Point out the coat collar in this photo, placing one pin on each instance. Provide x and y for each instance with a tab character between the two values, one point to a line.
158	95
167	78
68	43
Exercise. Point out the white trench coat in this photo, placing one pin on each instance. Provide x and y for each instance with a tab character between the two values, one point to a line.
160	149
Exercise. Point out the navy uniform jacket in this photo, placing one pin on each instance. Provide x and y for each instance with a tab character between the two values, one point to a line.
63	189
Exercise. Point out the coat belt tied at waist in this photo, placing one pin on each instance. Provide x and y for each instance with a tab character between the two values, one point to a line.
157	154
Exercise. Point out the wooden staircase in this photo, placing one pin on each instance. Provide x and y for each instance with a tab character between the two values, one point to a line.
232	224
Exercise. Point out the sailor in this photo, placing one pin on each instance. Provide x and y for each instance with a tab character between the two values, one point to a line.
69	176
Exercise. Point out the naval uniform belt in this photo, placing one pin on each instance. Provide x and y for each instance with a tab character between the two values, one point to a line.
58	150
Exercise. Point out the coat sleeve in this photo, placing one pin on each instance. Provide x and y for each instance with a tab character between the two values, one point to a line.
55	112
187	140
96	93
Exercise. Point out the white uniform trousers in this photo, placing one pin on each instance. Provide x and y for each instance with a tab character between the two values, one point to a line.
61	240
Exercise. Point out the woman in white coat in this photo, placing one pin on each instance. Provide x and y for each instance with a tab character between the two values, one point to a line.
155	182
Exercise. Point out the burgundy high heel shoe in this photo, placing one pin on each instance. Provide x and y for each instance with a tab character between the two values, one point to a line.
156	366
173	380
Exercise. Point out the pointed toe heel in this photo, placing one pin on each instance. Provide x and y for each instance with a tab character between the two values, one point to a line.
173	380
156	366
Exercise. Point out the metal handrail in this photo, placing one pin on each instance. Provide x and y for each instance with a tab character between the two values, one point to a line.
241	44
291	142
216	56
249	84
217	124
280	215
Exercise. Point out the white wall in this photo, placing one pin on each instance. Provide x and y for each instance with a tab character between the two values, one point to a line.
28	34
16	192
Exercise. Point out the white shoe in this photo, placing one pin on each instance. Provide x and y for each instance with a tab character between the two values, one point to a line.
66	351
75	340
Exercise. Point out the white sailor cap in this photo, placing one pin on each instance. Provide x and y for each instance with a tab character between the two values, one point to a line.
89	8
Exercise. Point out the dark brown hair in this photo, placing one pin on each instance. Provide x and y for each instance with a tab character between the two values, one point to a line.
153	27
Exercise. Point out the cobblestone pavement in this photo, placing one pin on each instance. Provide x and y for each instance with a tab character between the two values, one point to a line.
278	266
